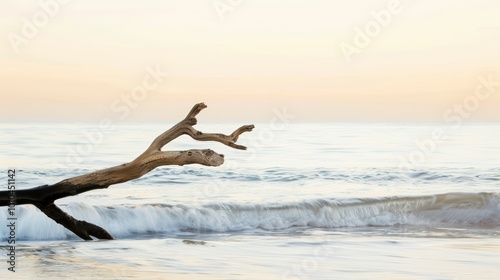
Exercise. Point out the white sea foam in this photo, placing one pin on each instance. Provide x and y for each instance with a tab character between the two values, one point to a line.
452	209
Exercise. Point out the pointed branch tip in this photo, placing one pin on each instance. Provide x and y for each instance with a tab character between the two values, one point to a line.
196	110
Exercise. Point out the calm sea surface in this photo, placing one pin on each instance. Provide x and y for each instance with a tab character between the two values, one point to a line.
305	201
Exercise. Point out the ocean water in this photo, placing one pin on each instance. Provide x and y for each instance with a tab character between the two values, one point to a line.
305	201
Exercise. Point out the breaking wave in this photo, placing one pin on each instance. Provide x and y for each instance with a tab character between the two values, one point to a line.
451	209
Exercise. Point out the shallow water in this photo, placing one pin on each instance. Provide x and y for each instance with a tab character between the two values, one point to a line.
306	201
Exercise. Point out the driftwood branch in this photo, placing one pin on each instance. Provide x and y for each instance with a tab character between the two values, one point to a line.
43	197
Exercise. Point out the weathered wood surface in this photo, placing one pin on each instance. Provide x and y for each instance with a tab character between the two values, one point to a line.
44	196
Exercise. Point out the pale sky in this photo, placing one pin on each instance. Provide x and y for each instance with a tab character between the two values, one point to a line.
85	60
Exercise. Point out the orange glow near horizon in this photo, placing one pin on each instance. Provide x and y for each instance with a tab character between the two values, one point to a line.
90	56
